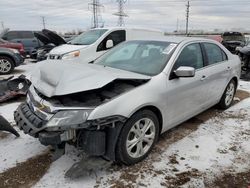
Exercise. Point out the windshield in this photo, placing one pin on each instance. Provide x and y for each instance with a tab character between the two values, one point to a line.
88	37
144	57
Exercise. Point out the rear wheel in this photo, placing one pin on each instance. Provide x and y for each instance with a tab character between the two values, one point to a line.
137	137
228	95
6	65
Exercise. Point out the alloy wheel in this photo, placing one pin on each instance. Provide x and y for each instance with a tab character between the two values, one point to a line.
140	137
5	66
229	94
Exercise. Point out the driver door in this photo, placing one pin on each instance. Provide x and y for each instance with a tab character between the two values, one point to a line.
186	96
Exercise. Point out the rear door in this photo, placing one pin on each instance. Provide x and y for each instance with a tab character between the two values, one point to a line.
217	71
186	96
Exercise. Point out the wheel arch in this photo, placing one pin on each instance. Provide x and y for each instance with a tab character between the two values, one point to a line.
156	111
236	81
8	56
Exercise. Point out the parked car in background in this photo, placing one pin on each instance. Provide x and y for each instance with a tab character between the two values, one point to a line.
232	40
17	46
217	38
93	43
244	54
50	40
27	38
118	106
9	59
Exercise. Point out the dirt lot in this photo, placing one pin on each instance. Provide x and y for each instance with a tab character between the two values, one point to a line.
210	150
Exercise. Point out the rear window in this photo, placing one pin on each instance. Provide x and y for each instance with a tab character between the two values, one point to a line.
214	53
12	35
26	34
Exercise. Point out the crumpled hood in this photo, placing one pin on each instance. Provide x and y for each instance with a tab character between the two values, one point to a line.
55	78
66	48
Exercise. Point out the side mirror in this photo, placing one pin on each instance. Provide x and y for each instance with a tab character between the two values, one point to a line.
185	72
109	44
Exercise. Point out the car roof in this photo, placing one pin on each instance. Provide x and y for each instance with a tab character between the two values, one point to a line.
179	39
129	28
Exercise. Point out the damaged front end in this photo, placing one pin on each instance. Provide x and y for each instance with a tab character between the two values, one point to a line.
64	119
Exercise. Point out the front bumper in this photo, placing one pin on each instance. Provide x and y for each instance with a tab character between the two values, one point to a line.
95	140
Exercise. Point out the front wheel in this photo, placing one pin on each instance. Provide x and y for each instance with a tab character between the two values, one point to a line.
6	65
228	95
137	137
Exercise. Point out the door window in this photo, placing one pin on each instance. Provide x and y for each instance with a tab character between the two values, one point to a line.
190	56
116	36
214	53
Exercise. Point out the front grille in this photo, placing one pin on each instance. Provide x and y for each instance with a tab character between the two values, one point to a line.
27	121
51	56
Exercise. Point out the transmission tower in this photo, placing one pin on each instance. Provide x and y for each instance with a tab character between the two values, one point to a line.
187	17
95	8
121	14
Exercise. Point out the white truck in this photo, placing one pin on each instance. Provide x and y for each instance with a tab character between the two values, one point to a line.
95	42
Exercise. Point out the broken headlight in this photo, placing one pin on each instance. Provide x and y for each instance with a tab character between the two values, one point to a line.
68	118
71	55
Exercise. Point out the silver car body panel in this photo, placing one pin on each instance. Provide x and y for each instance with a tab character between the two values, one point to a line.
176	99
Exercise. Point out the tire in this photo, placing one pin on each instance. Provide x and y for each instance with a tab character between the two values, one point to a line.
6	65
139	148
228	95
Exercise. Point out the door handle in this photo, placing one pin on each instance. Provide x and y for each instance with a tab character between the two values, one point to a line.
203	78
229	68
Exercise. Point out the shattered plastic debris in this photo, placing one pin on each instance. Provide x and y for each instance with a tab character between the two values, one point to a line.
10	88
5	126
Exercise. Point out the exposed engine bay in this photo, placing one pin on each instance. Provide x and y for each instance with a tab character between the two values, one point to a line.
94	97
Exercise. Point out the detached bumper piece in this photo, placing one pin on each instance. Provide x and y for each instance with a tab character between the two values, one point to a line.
5	126
27	121
10	88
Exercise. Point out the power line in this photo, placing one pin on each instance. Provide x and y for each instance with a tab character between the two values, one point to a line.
187	17
121	14
95	8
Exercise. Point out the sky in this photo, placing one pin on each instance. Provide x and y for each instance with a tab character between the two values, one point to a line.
67	15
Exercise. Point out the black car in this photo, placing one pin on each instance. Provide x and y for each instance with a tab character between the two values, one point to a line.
50	40
9	59
232	40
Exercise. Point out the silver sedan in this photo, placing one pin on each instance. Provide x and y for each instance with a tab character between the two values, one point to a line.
118	106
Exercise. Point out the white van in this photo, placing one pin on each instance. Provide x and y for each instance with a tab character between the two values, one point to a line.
95	42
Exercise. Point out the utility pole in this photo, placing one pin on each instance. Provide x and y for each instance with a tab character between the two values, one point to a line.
121	14
187	17
43	21
177	25
95	8
2	23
